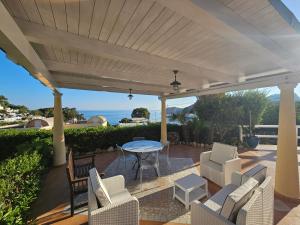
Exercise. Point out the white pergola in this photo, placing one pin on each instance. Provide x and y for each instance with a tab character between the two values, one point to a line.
117	45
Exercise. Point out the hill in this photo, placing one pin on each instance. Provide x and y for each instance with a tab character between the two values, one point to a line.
276	98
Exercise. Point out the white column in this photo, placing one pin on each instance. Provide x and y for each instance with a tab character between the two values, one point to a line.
287	175
163	120
58	132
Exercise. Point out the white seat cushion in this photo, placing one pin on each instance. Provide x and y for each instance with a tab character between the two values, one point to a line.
222	153
216	202
120	196
237	199
258	172
213	165
99	188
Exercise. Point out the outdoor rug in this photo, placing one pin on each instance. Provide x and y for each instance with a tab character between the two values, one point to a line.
156	196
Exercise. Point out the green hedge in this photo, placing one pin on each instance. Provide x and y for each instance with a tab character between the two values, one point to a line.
20	178
90	139
81	139
11	138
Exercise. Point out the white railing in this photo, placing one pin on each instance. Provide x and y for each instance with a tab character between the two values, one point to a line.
273	136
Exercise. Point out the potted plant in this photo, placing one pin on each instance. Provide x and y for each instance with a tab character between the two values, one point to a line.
251	139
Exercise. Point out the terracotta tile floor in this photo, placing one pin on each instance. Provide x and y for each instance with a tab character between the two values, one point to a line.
54	196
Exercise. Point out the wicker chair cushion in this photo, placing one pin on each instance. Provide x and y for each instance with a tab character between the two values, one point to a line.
258	172
216	202
99	188
222	153
237	199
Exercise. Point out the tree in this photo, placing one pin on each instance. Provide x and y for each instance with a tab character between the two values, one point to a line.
3	101
140	113
222	113
68	113
125	120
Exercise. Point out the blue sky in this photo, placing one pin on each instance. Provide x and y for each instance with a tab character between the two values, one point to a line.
294	6
21	88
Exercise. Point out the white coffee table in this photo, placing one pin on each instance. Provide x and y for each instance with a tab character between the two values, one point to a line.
189	189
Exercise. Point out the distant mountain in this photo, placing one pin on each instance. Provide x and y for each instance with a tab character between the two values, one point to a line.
276	98
176	110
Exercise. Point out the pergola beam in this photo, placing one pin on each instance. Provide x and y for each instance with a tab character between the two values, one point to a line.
92	87
18	49
214	16
108	82
133	77
47	36
262	82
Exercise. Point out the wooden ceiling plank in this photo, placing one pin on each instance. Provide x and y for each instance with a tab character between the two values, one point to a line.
58	54
66	56
135	20
111	17
152	14
99	13
32	11
169	24
72	10
81	58
168	34
153	28
44	35
74	57
60	14
45	10
17	9
86	13
180	39
126	13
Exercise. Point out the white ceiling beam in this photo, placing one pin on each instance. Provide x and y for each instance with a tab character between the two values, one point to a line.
146	78
261	82
214	16
92	87
18	49
47	36
107	82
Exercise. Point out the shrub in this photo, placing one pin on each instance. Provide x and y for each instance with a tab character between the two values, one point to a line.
81	139
89	139
20	178
11	138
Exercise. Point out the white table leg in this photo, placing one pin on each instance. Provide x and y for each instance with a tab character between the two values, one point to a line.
174	191
187	206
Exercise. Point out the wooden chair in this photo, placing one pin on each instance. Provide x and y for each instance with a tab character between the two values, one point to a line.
78	177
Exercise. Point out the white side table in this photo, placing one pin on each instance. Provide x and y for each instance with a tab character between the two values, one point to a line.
189	189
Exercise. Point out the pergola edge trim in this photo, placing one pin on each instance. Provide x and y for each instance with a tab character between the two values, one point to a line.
18	49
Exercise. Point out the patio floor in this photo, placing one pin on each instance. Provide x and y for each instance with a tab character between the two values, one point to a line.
155	198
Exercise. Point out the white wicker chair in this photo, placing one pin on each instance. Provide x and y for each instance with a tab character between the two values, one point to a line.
124	209
218	165
257	211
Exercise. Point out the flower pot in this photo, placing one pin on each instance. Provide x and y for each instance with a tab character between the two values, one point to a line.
252	141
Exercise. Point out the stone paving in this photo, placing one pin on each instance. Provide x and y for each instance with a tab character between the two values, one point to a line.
156	203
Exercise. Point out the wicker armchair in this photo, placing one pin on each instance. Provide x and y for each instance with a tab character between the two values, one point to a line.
123	209
77	177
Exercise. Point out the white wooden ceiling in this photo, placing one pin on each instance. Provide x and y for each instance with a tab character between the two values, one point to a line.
114	45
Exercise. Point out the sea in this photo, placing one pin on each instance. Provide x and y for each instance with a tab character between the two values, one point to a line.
114	116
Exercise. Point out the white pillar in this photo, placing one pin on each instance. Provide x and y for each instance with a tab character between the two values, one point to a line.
287	175
163	120
58	132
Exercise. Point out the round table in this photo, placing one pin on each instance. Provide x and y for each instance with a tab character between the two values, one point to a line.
140	147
